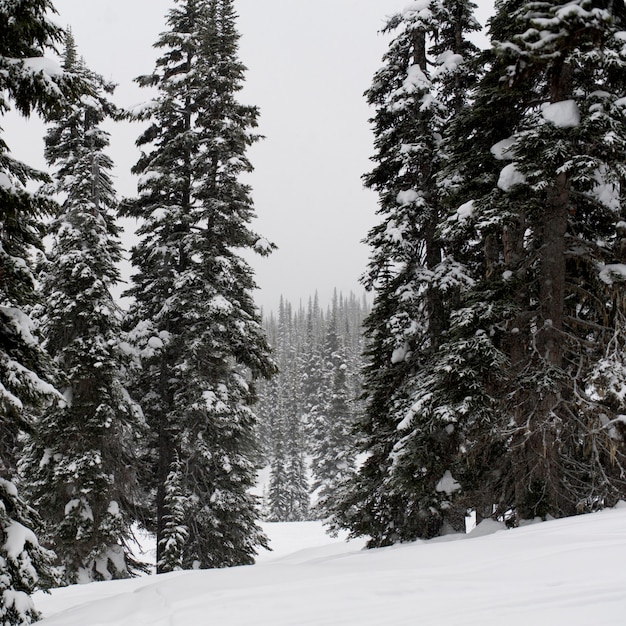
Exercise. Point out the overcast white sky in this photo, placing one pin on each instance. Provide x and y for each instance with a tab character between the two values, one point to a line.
308	66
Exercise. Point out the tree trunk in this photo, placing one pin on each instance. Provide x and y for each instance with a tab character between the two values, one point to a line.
552	286
432	246
539	488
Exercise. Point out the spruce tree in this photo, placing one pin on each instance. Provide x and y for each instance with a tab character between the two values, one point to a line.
332	455
294	442
308	409
544	212
311	368
30	83
80	466
277	506
298	495
419	89
200	336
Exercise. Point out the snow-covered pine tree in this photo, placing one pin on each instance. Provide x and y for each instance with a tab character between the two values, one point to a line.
30	83
353	312
430	443
277	505
541	214
203	345
290	345
331	427
175	532
298	495
420	87
80	464
466	372
311	368
288	498
293	404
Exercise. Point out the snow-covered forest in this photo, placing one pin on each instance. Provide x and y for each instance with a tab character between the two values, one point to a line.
308	412
482	378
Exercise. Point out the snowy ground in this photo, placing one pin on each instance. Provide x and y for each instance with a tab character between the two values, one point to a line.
568	572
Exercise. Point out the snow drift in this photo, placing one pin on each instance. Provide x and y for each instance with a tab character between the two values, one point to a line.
569	571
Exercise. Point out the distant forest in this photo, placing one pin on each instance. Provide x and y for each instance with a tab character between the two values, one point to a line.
307	412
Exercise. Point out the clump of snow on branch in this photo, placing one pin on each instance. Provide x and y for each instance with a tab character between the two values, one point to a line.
502	150
564	114
447	61
465	211
510	176
406	197
612	271
263	246
420	9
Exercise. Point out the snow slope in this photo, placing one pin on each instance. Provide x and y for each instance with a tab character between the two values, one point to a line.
569	571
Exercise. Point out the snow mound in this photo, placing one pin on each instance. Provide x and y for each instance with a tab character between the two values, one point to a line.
560	572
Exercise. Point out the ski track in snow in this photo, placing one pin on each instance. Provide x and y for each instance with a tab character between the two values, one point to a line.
568	571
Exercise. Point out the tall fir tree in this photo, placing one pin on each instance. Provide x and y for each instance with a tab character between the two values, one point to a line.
289	346
311	367
298	496
419	89
175	532
542	229
80	466
30	83
203	345
277	497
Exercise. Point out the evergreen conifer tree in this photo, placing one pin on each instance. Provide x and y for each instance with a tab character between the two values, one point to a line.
542	225
309	407
175	532
331	443
312	371
31	83
80	466
200	337
416	93
278	490
288	491
298	495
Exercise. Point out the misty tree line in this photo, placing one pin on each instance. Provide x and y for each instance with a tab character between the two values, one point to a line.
494	376
308	411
